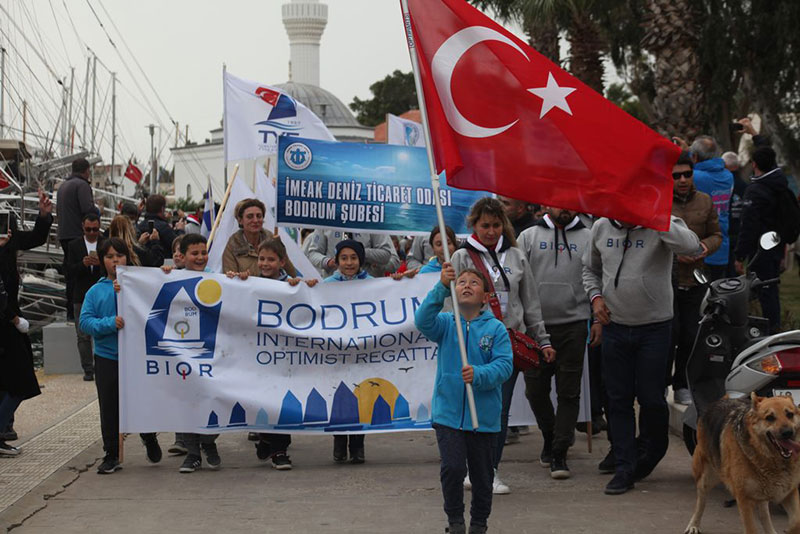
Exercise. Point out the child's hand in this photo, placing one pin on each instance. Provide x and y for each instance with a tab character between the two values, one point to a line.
231	274
116	286
293	281
467	373
120	322
244	275
397	276
549	354
412	273
448	274
312	283
167	268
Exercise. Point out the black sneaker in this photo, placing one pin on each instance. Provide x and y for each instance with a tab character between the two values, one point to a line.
109	465
558	468
357	456
253	436
281	461
9	435
340	449
88	377
262	450
212	456
153	450
609	463
456	528
8	450
190	464
178	448
643	469
621	483
546	457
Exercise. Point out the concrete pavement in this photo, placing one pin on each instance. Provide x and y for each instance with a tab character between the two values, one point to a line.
397	490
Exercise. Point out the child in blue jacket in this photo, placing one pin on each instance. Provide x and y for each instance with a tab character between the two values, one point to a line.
490	364
350	258
100	320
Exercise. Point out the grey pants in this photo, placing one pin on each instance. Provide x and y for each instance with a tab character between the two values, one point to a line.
84	342
194	441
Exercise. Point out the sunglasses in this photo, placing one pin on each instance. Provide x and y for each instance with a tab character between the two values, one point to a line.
91	230
685	174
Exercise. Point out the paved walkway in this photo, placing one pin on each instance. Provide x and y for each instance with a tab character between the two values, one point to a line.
396	491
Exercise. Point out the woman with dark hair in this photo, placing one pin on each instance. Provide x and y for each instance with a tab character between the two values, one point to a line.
494	244
17	379
241	251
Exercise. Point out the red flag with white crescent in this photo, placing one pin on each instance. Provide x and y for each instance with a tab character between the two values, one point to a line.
504	118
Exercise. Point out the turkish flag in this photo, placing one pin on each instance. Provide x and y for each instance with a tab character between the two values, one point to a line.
133	173
504	118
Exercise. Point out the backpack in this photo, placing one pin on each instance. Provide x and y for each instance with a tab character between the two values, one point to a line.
788	211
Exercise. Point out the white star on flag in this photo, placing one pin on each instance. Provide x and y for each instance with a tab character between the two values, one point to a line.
552	96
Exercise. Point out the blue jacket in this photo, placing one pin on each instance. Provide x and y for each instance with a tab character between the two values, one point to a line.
711	177
432	266
98	318
489	353
339	277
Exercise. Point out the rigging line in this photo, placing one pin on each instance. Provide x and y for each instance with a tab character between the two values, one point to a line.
18	57
58	27
35	95
45	47
102	107
14	23
72	23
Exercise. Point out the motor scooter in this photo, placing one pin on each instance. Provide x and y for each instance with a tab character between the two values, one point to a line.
733	353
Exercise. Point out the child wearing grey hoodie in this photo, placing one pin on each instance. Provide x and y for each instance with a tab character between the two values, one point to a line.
628	276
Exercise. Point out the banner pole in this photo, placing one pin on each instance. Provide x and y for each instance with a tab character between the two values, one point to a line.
222	206
224	124
435	186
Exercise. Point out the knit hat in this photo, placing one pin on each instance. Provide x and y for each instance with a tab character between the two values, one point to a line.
356	246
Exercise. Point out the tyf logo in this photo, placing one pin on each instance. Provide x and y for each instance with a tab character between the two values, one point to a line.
283	107
297	156
184	319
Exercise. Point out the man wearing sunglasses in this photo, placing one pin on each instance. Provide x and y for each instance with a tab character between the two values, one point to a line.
84	268
698	212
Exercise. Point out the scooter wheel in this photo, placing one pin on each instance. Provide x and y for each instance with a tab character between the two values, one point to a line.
689	438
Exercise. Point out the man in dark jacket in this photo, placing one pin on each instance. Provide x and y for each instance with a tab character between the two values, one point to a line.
84	267
154	211
760	215
697	211
74	201
519	213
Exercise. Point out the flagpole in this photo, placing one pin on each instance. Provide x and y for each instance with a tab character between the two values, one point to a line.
222	205
224	125
435	186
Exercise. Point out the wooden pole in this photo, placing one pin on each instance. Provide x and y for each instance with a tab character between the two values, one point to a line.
589	436
222	206
121	447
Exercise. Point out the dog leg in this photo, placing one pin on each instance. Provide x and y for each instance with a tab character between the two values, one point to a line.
707	479
765	518
746	512
792	506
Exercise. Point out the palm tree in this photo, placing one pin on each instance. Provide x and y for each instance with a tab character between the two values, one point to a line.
671	36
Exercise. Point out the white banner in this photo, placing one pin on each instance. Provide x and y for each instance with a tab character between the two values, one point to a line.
401	131
256	114
203	353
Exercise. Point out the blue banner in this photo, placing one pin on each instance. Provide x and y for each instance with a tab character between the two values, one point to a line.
373	188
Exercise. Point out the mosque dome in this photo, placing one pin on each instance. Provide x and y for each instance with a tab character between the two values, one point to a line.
324	104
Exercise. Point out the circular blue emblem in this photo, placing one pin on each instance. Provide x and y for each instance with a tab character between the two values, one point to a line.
297	156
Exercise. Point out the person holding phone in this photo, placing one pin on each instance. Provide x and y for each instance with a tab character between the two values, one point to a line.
155	219
84	268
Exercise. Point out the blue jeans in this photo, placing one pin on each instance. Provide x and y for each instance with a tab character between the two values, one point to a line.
635	367
508	393
460	450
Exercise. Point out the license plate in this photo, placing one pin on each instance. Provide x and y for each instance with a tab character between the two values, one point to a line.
794	393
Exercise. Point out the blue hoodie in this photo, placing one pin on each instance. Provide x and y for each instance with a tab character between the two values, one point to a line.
339	277
489	353
98	318
711	177
432	266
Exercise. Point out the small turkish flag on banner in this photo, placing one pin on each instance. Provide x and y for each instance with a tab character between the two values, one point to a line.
133	173
504	118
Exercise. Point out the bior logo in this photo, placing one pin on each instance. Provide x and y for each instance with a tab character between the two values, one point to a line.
297	156
184	318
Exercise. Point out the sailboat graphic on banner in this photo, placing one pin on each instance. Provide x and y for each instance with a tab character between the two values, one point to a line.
184	319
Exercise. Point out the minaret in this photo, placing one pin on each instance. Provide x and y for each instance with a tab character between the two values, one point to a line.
305	21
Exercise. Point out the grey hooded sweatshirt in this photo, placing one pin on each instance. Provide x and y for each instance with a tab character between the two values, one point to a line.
380	253
556	258
631	268
522	311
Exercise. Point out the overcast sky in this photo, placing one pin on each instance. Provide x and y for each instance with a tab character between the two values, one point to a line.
182	45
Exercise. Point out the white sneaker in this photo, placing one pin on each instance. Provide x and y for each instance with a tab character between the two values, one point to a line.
683	396
498	488
467	483
8	450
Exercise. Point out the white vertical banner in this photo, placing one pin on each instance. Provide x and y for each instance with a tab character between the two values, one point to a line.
404	132
228	225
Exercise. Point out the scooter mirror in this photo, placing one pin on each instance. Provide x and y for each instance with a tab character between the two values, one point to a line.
769	240
700	277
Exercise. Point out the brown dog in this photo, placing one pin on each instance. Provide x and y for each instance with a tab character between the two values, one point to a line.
750	446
